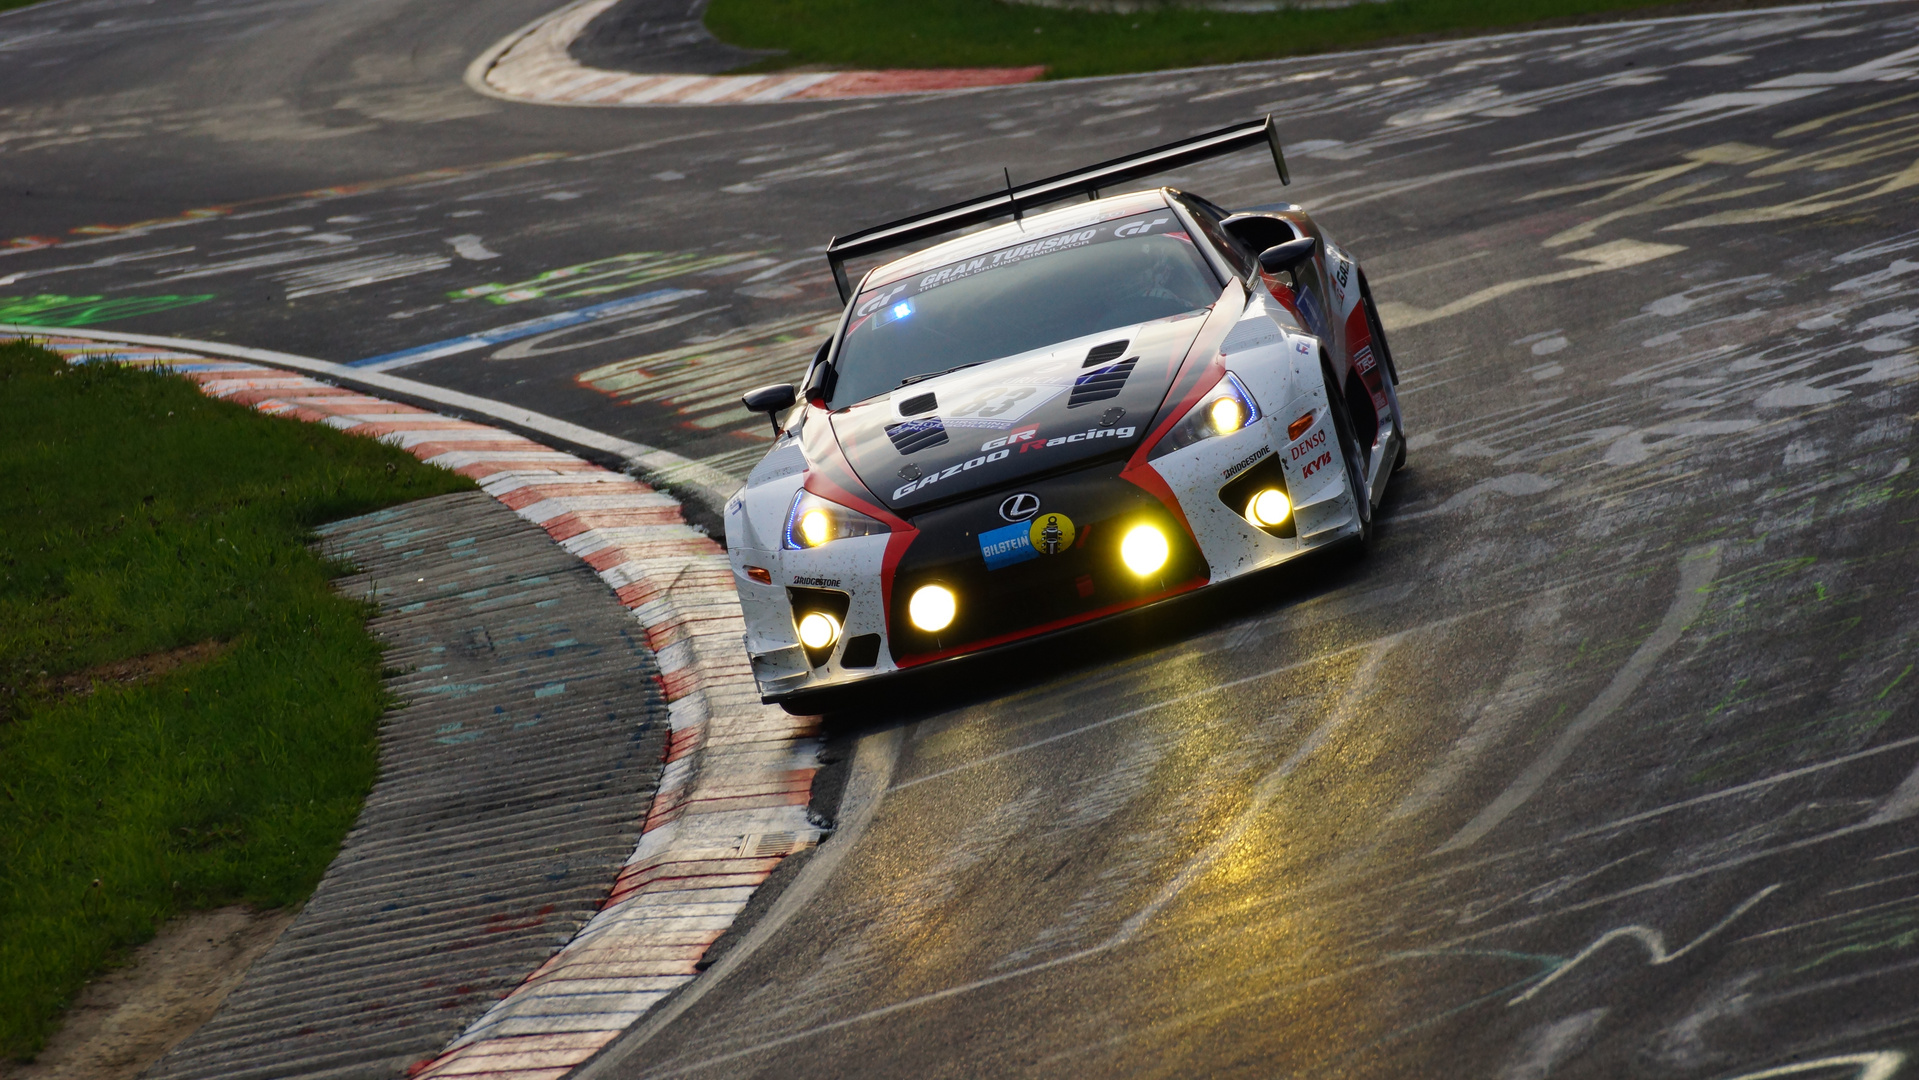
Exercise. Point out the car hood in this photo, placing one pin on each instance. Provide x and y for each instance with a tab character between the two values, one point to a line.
992	424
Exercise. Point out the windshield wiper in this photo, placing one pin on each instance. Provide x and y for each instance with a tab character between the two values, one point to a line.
910	379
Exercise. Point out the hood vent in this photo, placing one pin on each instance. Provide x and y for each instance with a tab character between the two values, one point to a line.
1100	354
915	435
1100	385
921	403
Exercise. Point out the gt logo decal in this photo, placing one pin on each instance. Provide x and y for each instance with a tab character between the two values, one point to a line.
1316	464
1137	227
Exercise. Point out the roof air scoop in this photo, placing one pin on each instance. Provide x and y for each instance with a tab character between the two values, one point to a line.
1100	354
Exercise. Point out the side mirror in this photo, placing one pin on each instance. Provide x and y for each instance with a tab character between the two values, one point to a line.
813	384
1282	258
771	400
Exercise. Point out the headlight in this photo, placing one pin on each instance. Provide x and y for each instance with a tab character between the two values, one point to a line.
1268	508
818	630
932	608
1224	409
813	521
1144	550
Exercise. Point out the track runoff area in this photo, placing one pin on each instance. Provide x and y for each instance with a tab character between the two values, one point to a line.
1601	763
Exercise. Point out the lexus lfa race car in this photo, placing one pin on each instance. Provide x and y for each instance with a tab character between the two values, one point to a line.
1059	418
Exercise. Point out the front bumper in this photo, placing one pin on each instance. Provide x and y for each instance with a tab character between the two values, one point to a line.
1079	582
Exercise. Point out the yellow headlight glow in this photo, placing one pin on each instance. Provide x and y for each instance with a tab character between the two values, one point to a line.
1269	507
818	630
815	528
1227	415
1144	550
932	608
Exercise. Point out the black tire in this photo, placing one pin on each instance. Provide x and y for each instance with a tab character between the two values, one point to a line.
1377	330
1350	454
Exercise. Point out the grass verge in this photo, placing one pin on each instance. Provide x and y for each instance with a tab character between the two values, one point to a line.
995	33
187	710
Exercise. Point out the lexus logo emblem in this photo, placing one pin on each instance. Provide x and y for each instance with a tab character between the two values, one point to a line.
1019	507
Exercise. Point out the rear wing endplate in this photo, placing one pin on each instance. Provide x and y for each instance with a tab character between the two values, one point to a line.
1017	199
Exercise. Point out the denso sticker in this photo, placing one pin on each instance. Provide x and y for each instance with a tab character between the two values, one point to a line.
951	470
1307	445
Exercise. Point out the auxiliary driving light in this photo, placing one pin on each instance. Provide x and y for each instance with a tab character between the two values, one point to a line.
1144	550
1227	415
815	528
1268	508
818	630
932	608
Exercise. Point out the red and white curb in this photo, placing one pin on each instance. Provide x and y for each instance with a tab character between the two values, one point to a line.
532	64
738	776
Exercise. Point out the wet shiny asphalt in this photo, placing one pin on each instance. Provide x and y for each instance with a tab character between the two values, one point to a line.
1604	762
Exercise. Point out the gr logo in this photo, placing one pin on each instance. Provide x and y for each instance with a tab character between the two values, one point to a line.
1019	507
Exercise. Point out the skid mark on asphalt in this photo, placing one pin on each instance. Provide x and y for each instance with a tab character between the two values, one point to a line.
1614	255
1696	570
701	381
1651	940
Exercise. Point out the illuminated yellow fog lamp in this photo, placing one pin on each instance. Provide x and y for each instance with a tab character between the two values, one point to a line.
815	528
1227	415
1268	508
1144	550
818	630
932	608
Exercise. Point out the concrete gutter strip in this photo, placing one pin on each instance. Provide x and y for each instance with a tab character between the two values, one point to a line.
533	64
732	800
532	726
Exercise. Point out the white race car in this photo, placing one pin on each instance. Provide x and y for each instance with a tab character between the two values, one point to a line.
1058	419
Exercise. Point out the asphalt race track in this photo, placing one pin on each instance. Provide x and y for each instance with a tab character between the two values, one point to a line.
1604	763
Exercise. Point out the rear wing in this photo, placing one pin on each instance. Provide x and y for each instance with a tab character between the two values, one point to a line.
1017	199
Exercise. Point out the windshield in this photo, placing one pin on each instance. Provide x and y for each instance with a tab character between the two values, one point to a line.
1017	299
